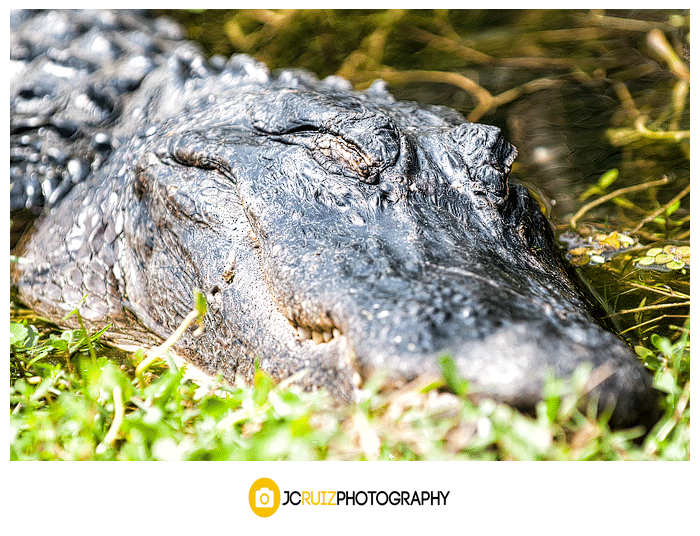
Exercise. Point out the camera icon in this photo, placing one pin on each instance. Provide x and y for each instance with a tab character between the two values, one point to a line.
264	498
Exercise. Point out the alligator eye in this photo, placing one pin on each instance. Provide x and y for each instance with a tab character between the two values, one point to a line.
346	136
334	153
339	156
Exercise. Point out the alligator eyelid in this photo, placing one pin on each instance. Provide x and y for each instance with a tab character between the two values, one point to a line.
336	154
349	153
302	129
287	130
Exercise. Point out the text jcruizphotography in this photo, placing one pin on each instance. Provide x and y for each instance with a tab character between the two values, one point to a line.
265	498
362	498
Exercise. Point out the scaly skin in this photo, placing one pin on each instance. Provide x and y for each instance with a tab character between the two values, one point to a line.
385	231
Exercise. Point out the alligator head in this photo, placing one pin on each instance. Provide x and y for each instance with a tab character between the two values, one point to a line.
340	233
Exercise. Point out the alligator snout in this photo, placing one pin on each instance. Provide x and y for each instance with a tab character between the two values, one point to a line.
487	156
455	262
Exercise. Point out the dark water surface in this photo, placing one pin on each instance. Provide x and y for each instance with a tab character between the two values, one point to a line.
582	94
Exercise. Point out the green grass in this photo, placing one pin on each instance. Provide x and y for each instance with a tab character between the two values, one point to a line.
68	403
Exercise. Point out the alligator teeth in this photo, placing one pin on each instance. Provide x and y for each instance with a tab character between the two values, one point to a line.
304	334
317	337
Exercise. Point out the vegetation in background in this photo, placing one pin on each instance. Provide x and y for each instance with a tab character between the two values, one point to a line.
72	398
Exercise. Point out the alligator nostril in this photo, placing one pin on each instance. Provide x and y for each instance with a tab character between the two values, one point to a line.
498	200
485	156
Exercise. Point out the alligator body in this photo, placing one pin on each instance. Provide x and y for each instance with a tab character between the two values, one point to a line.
332	231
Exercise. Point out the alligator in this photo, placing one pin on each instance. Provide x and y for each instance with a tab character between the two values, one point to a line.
335	233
